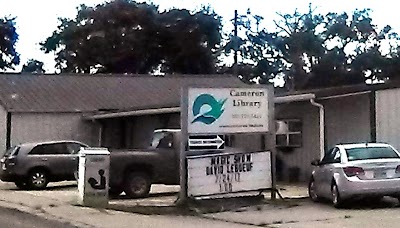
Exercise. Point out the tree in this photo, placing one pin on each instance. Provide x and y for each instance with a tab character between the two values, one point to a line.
33	66
123	36
310	50
8	37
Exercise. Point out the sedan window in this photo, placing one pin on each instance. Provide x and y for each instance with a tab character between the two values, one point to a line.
333	156
370	153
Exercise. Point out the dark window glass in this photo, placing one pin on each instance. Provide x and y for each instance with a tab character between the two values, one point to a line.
281	140
370	153
162	140
73	148
47	149
333	156
295	139
166	141
12	151
38	150
288	133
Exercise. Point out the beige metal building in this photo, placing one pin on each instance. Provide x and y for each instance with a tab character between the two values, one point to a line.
121	111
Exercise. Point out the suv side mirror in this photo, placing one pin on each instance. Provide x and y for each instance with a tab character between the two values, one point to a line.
315	162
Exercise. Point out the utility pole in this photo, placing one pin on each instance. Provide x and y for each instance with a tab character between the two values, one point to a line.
236	45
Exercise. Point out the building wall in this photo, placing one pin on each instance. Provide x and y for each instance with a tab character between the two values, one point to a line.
387	116
3	129
112	133
29	127
294	163
248	142
347	120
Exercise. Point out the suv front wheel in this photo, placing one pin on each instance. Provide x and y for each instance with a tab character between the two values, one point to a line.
38	179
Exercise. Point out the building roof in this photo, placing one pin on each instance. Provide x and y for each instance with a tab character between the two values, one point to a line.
93	93
338	91
105	93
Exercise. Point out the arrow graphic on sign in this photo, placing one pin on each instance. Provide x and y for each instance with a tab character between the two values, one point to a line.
206	142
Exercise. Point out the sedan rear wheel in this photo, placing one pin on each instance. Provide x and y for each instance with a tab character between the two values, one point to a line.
336	200
312	191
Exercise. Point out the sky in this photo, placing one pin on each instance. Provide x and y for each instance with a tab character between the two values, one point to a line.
36	20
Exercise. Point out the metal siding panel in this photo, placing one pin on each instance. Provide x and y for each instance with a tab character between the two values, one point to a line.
248	142
143	130
302	156
347	120
3	129
387	116
30	127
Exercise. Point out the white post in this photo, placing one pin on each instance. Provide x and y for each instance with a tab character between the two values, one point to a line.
321	127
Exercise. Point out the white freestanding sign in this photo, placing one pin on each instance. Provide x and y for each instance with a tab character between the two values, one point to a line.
227	110
209	112
224	173
93	180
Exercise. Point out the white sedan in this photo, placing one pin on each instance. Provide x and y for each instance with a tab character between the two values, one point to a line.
352	171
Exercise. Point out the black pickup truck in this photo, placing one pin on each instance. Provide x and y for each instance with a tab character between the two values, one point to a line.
134	171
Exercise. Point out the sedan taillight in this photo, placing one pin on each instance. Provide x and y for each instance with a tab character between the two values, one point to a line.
353	171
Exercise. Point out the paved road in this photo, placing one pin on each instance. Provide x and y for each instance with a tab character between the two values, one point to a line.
304	213
300	213
11	218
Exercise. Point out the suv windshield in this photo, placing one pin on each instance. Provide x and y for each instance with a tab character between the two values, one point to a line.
11	151
370	153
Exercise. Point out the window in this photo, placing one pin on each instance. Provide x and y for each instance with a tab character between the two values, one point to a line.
333	156
162	140
74	148
288	133
370	153
58	148
12	151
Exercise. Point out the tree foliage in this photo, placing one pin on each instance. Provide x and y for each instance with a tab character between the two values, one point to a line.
8	37
33	66
310	50
123	36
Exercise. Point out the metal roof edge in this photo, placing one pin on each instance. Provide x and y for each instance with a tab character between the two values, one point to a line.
133	113
153	111
293	98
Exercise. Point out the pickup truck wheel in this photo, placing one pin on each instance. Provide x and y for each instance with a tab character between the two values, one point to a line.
37	179
137	185
115	192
